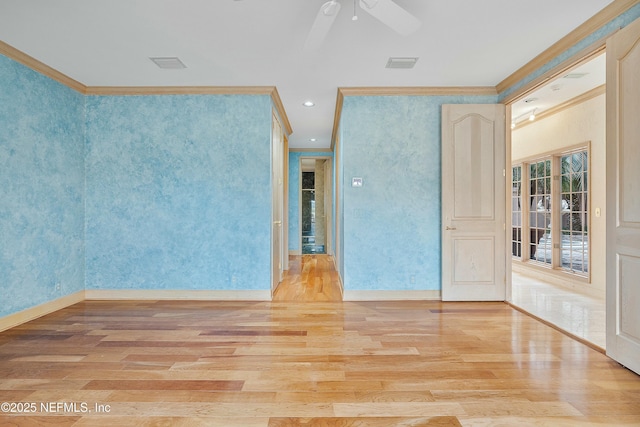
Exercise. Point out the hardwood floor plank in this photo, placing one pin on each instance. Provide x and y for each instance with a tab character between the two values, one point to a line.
163	385
365	422
99	421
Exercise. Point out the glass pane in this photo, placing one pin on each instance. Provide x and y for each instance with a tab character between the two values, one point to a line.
565	184
584	181
576	182
576	162
532	170
576	202
576	221
585	164
308	180
586	202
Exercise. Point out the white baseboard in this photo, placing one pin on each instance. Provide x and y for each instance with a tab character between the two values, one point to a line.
356	295
154	294
29	314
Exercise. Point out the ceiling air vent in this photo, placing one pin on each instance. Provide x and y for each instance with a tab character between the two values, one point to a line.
168	63
401	62
575	75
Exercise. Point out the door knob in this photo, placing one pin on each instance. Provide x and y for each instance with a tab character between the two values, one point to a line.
450	228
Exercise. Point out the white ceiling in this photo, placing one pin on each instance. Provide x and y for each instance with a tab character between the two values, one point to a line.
567	86
260	43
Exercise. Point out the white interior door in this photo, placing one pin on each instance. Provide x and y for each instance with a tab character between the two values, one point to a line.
277	180
473	203
623	196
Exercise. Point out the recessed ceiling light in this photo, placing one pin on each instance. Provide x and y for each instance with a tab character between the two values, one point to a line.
169	63
312	139
309	103
408	62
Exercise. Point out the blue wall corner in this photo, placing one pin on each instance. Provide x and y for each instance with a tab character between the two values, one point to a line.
41	189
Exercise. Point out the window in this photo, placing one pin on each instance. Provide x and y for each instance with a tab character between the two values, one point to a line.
575	238
551	228
516	211
540	211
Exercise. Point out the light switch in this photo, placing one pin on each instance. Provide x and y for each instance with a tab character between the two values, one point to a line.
356	182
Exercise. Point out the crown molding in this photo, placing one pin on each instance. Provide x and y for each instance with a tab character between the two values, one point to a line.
336	118
606	15
179	90
277	102
417	91
30	62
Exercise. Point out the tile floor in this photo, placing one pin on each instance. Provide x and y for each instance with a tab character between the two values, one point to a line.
581	315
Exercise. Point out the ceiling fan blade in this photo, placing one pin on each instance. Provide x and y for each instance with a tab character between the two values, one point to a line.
322	24
392	15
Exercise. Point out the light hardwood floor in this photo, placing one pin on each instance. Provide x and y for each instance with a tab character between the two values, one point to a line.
272	364
309	278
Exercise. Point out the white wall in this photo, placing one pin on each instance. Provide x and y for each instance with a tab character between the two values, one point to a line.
575	125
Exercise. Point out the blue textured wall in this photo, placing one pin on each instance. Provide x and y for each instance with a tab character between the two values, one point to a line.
294	195
178	192
41	188
392	223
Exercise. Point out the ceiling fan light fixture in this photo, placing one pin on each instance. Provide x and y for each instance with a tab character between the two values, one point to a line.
331	8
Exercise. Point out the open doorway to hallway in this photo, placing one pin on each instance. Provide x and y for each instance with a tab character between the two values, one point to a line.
558	144
315	205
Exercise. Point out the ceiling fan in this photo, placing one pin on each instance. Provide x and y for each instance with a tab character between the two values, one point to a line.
386	11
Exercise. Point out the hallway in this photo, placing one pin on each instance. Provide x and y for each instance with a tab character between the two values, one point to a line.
309	278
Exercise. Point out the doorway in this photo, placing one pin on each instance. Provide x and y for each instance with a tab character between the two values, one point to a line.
316	205
558	175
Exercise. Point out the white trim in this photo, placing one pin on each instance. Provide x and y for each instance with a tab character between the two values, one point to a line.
24	316
391	295
295	252
154	294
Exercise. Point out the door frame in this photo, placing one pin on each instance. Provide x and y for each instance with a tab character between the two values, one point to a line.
562	68
278	195
329	250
